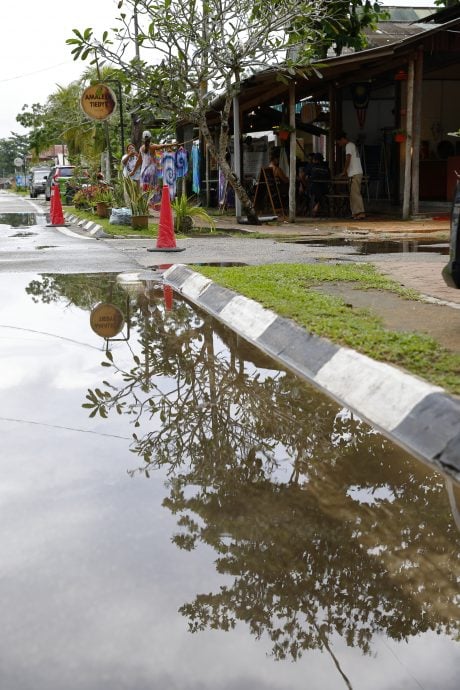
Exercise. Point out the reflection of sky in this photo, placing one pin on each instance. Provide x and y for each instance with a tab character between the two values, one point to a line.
371	495
90	581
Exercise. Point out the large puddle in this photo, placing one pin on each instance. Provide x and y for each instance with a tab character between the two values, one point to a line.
367	247
179	512
21	220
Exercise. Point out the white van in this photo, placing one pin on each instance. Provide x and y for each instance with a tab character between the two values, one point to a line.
37	183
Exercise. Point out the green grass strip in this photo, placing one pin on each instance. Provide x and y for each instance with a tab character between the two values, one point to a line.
286	289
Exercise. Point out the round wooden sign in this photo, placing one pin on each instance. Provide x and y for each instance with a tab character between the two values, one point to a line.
106	320
98	102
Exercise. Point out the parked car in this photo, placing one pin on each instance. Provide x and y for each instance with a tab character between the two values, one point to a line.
59	174
37	182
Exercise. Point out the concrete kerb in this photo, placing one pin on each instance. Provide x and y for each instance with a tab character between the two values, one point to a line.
420	417
93	229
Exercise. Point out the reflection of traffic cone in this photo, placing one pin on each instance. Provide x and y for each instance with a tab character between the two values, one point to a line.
168	296
166	241
56	215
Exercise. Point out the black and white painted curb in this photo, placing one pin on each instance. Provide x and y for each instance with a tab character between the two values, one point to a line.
93	229
421	417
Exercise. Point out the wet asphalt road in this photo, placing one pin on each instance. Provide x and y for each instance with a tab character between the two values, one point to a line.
40	248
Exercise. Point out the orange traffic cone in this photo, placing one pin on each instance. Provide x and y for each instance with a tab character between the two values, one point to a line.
56	215
166	240
51	201
168	297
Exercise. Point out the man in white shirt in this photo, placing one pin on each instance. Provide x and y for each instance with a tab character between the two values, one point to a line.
354	171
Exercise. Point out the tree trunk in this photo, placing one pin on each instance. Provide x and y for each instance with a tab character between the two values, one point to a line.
230	177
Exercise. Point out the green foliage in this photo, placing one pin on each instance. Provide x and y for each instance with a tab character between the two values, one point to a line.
86	213
16	145
103	194
118	196
60	120
185	212
139	199
344	25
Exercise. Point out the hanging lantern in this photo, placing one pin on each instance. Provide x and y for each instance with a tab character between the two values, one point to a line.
401	75
360	94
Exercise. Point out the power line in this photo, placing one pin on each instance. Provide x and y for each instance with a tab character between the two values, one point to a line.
29	74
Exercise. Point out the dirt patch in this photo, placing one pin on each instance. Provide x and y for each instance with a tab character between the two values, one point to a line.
440	322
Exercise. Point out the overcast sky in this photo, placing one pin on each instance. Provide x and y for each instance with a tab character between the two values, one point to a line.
35	58
34	55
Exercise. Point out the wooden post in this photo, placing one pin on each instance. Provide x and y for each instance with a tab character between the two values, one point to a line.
292	152
409	140
332	129
418	85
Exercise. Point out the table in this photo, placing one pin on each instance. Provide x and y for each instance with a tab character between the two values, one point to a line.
339	197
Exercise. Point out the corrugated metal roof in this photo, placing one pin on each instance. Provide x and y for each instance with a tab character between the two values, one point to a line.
390	32
409	14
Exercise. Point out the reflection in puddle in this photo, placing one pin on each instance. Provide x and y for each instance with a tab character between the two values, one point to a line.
190	485
366	247
17	220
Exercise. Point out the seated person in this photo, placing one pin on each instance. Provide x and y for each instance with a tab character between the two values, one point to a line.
278	173
303	188
320	179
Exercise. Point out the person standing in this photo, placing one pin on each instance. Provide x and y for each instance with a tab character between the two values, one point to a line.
354	171
147	162
129	161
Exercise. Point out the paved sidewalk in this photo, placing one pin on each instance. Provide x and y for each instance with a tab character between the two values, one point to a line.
376	225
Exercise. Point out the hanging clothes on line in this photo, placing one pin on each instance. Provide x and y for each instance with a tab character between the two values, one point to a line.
196	168
168	166
181	162
158	162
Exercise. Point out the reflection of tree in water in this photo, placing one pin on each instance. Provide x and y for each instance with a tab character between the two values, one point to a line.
356	540
307	561
82	290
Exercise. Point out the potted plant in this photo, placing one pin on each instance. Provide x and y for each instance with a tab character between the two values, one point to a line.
103	199
139	201
400	135
283	131
185	212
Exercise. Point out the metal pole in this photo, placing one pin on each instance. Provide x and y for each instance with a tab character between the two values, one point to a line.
136	31
122	126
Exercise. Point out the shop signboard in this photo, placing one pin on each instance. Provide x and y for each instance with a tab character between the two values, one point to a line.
98	102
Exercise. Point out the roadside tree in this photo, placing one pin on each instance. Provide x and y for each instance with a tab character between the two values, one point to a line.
11	148
198	54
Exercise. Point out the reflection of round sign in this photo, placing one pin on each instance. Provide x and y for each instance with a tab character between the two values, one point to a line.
98	102
106	320
18	162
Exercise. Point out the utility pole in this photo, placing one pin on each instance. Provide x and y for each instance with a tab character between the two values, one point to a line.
136	30
106	130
